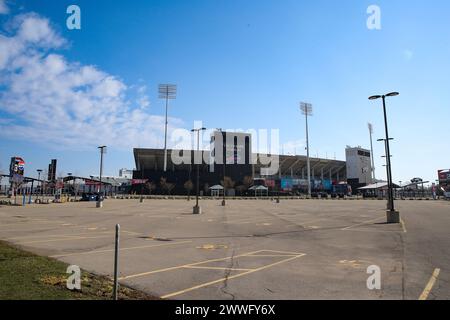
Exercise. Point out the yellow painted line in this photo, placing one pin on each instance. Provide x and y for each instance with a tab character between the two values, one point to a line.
272	255
376	231
32	221
362	223
28	223
131	232
185	265
283	252
66	239
216	268
426	292
60	235
170	295
42	228
403	226
122	249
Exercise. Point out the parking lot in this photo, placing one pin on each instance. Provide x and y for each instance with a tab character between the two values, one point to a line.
250	249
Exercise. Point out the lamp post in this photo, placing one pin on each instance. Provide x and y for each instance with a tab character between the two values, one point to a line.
370	126
70	175
197	209
167	92
224	160
393	216
387	170
100	197
39	179
307	111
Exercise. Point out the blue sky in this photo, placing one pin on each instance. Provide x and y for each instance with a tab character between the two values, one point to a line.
237	64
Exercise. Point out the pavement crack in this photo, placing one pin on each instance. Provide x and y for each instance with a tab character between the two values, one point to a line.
224	287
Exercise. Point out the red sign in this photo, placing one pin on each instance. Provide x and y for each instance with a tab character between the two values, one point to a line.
139	181
92	183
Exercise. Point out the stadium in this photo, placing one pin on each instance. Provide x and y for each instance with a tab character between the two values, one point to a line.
242	168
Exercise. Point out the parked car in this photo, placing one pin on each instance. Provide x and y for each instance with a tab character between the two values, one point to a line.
91	197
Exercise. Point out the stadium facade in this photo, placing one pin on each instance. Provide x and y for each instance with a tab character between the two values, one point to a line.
231	156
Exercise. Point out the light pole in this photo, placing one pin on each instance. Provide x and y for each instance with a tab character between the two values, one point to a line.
70	175
197	209
370	126
100	197
167	92
387	170
393	216
224	160
39	180
307	111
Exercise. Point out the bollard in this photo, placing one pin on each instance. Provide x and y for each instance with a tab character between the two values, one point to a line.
116	264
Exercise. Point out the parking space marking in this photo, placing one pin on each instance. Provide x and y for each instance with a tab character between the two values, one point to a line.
376	231
31	221
65	239
43	228
28	223
185	265
426	292
216	268
206	284
122	249
403	225
362	223
58	235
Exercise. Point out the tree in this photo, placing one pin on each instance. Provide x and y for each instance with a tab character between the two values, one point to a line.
151	186
188	185
168	187
248	181
227	183
246	184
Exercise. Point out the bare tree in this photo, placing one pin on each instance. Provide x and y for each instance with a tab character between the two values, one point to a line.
151	186
188	185
168	187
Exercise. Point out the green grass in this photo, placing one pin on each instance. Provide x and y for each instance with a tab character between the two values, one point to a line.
25	276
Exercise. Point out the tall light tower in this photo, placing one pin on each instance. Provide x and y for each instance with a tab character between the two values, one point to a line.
167	92
307	111
370	126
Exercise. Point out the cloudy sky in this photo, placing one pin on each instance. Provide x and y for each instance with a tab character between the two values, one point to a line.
238	65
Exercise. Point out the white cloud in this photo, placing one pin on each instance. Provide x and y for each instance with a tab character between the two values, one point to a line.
65	104
3	7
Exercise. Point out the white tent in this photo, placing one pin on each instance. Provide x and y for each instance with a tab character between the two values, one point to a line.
261	190
378	186
216	190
